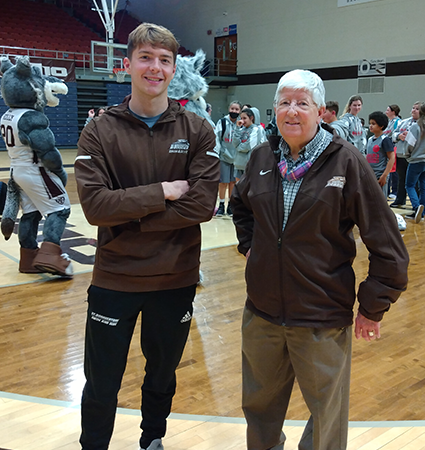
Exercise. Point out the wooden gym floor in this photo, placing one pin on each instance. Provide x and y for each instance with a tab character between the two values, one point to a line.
41	354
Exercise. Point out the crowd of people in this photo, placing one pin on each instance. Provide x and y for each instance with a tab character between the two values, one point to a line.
383	143
394	147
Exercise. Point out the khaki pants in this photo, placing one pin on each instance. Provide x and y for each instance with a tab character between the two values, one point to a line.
320	359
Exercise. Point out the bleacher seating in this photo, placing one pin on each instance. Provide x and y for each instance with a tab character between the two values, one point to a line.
44	30
117	92
63	118
124	25
43	26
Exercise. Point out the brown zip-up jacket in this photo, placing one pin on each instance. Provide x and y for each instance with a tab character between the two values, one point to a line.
303	276
146	243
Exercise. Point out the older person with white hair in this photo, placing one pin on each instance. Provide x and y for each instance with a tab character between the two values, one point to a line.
294	210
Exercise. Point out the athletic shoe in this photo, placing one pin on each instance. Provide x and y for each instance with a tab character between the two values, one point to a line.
416	215
156	444
392	196
396	205
229	211
201	278
220	210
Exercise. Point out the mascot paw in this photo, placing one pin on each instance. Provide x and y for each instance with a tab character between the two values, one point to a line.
7	227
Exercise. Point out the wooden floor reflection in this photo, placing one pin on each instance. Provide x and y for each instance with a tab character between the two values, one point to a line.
42	331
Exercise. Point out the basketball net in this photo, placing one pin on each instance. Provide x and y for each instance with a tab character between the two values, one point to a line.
120	74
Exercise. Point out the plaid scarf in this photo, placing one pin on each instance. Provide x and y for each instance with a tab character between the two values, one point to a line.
309	154
296	173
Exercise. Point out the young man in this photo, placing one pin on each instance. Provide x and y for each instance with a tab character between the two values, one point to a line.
330	117
224	131
380	149
147	176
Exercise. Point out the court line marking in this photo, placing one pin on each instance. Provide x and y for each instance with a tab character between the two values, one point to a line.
200	418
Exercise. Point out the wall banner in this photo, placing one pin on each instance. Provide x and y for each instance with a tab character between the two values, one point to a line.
226	31
371	67
59	68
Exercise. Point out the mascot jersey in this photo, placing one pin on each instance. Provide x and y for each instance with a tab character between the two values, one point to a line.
19	153
42	189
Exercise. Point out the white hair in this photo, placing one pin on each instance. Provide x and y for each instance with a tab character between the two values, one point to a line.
303	80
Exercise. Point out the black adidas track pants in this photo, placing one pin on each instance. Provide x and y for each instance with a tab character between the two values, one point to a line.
111	318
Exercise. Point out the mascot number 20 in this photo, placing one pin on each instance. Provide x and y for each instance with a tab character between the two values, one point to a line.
37	177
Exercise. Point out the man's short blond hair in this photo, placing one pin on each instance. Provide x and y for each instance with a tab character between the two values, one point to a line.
154	35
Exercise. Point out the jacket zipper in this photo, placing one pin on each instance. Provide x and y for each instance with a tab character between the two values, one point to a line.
279	243
155	175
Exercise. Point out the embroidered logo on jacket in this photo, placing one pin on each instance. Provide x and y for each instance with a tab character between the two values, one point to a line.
337	182
180	146
265	172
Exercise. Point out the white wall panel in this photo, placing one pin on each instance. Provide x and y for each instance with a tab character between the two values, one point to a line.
279	35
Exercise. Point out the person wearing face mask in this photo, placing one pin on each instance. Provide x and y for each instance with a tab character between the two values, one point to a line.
224	132
356	134
399	139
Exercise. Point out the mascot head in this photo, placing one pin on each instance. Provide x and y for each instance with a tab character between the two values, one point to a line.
188	85
24	86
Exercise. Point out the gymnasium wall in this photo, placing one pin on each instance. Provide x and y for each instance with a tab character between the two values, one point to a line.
275	36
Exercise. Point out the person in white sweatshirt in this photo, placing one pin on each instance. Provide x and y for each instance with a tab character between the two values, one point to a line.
356	133
247	136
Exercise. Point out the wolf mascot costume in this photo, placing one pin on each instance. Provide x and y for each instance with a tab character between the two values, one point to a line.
37	177
188	86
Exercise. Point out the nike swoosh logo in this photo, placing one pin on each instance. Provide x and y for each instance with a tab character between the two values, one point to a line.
265	173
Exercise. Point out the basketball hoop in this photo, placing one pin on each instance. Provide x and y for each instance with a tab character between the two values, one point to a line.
120	74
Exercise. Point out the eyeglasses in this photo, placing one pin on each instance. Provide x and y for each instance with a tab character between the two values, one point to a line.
298	105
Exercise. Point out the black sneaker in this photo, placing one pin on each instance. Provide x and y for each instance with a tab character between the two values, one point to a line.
229	211
220	210
397	205
418	213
